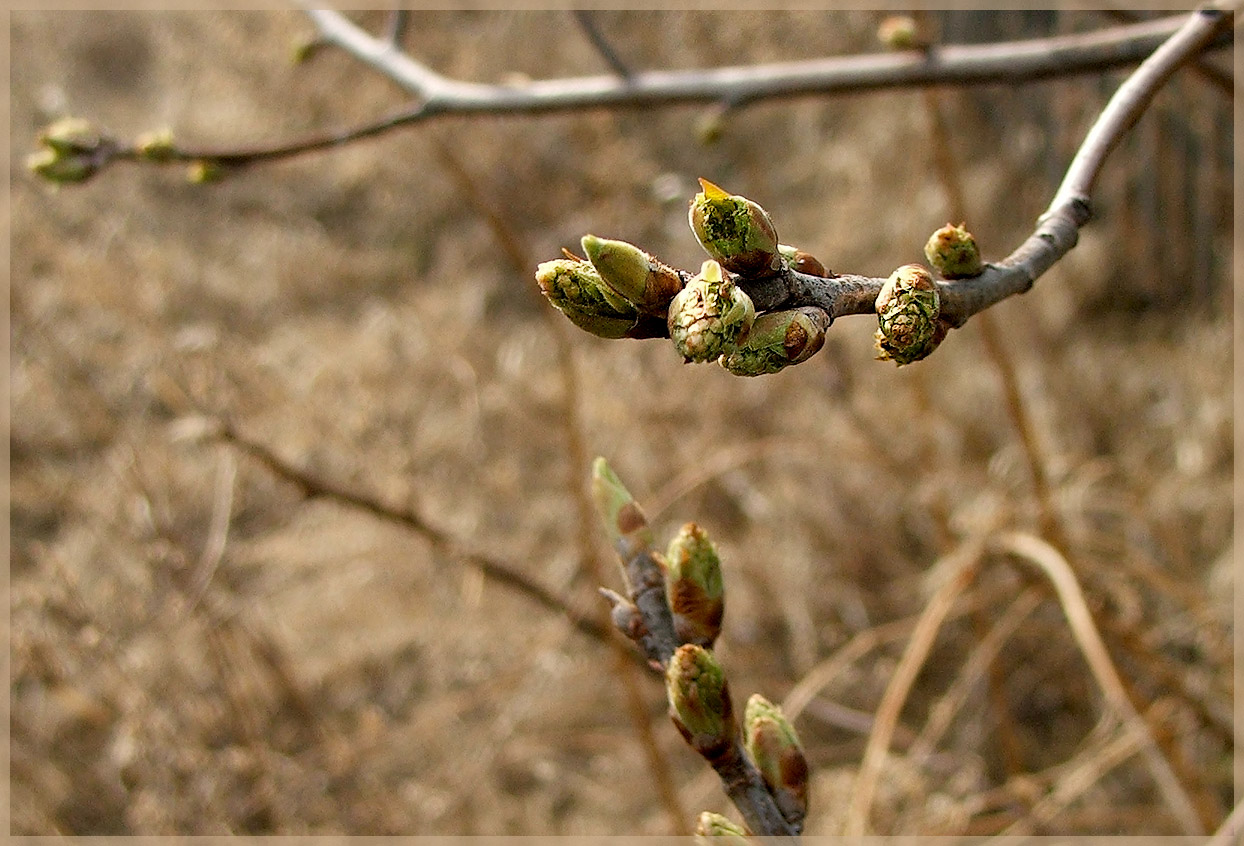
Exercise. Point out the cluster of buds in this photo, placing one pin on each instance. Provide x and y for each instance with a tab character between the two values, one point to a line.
72	150
710	316
907	310
953	253
610	292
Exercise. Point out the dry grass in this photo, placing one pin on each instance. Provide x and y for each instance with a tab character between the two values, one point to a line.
196	648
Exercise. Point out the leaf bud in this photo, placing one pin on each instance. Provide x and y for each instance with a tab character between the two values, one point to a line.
575	288
73	151
777	340
156	146
774	748
61	168
71	135
700	700
953	252
907	310
623	518
202	171
735	231
717	830
802	261
696	590
901	32
633	274
710	316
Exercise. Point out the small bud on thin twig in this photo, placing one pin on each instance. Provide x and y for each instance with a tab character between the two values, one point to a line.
696	589
953	252
774	748
735	231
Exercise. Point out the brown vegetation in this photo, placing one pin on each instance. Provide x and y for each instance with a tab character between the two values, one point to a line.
198	648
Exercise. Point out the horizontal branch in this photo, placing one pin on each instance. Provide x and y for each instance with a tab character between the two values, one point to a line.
1009	62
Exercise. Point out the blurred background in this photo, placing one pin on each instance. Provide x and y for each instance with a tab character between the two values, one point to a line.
198	648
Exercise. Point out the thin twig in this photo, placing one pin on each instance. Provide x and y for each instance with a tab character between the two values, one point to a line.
395	26
1231	829
961	566
506	574
1051	562
437	96
587	23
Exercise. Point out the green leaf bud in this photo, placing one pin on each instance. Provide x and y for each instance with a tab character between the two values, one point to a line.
575	288
901	32
774	748
71	135
907	310
710	316
700	700
779	339
735	231
73	151
714	829
695	586
953	252
203	171
156	146
633	274
623	518
61	168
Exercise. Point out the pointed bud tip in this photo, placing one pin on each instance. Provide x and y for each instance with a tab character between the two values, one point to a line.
711	191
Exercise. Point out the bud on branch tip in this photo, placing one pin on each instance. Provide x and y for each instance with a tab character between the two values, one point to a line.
622	516
696	589
774	748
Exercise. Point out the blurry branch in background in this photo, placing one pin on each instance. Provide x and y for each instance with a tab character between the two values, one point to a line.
437	96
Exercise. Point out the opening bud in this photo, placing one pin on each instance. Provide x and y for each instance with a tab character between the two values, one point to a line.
735	231
700	700
774	748
779	339
907	310
710	316
73	151
575	288
696	590
716	830
953	252
633	274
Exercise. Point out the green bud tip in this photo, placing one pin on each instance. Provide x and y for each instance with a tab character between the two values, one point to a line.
59	168
735	231
700	699
156	146
907	310
710	316
623	518
773	746
953	252
574	287
203	171
901	32
779	339
71	135
695	586
720	829
633	274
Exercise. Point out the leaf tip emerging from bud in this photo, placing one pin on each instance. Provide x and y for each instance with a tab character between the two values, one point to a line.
624	520
735	231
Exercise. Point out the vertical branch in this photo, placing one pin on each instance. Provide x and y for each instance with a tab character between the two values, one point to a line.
578	463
